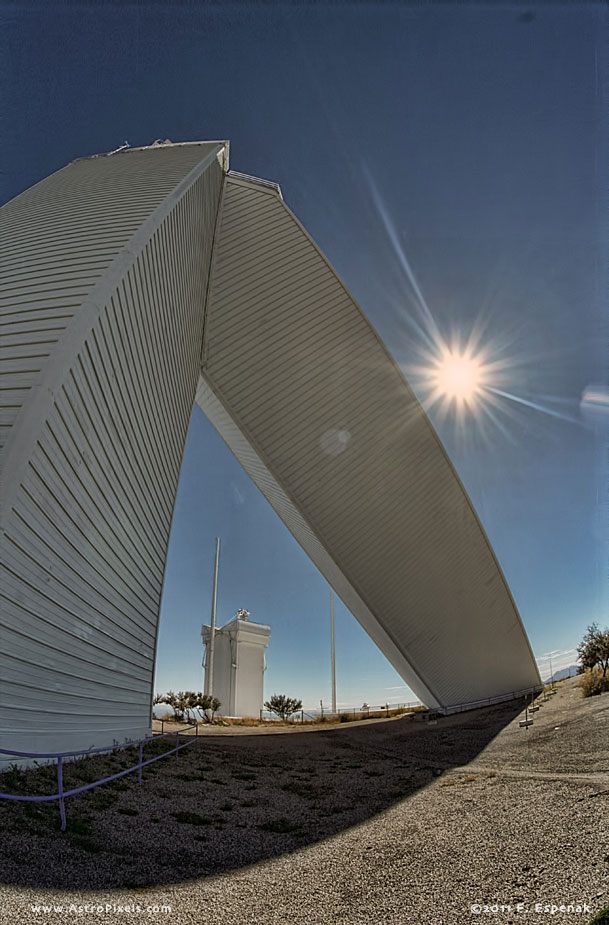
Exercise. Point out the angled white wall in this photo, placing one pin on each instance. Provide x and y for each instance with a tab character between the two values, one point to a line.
106	271
132	281
301	388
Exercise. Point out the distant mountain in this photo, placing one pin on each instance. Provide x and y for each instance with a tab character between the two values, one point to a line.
569	672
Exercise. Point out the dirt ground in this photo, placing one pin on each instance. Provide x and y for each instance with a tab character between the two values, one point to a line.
394	821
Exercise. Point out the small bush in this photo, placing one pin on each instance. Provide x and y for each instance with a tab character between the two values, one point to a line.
302	789
87	844
602	918
45	813
283	706
78	826
103	799
14	780
592	682
192	818
279	826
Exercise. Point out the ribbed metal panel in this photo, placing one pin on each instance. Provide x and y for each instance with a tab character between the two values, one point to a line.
92	466
109	313
56	241
292	365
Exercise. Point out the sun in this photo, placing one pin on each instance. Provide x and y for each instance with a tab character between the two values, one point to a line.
458	376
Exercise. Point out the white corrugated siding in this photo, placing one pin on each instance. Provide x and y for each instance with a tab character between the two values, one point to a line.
56	241
300	529
93	488
295	367
107	269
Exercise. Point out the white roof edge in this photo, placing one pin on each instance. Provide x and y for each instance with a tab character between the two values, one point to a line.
256	181
127	149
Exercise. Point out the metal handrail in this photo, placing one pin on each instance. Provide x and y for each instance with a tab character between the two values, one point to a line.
492	701
62	794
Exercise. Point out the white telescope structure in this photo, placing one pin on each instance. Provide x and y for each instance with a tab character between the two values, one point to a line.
133	285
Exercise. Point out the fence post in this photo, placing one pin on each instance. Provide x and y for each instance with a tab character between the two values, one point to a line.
139	773
162	726
177	743
62	809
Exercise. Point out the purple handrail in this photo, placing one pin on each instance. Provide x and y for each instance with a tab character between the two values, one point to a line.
61	793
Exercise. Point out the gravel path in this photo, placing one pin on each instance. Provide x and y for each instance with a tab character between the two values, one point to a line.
391	822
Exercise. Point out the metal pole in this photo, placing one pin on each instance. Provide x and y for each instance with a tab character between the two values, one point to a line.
62	809
209	676
333	651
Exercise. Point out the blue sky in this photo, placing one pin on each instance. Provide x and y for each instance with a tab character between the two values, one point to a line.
457	150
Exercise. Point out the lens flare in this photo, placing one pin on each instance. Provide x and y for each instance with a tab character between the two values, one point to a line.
480	381
458	376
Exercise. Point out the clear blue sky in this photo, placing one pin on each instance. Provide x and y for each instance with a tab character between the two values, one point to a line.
467	142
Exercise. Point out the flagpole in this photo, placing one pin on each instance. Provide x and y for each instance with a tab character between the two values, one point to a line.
333	651
209	677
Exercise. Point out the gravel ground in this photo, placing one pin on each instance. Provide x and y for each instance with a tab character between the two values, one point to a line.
392	821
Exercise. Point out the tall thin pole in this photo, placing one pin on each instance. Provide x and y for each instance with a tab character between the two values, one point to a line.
333	651
209	677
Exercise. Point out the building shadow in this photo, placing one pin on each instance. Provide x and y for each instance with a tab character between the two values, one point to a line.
229	801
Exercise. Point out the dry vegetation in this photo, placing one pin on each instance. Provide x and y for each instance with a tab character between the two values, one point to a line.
592	682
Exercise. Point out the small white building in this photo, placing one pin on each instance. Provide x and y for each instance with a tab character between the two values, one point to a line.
239	664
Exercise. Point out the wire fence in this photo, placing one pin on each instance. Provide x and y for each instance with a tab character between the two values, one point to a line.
366	711
59	756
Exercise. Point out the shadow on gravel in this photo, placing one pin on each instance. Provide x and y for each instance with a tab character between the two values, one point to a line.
227	802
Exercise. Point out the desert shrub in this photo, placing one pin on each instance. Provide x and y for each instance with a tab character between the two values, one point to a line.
592	682
602	918
14	780
185	703
280	826
188	818
593	650
283	706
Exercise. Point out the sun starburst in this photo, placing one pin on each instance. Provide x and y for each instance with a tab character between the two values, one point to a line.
459	376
